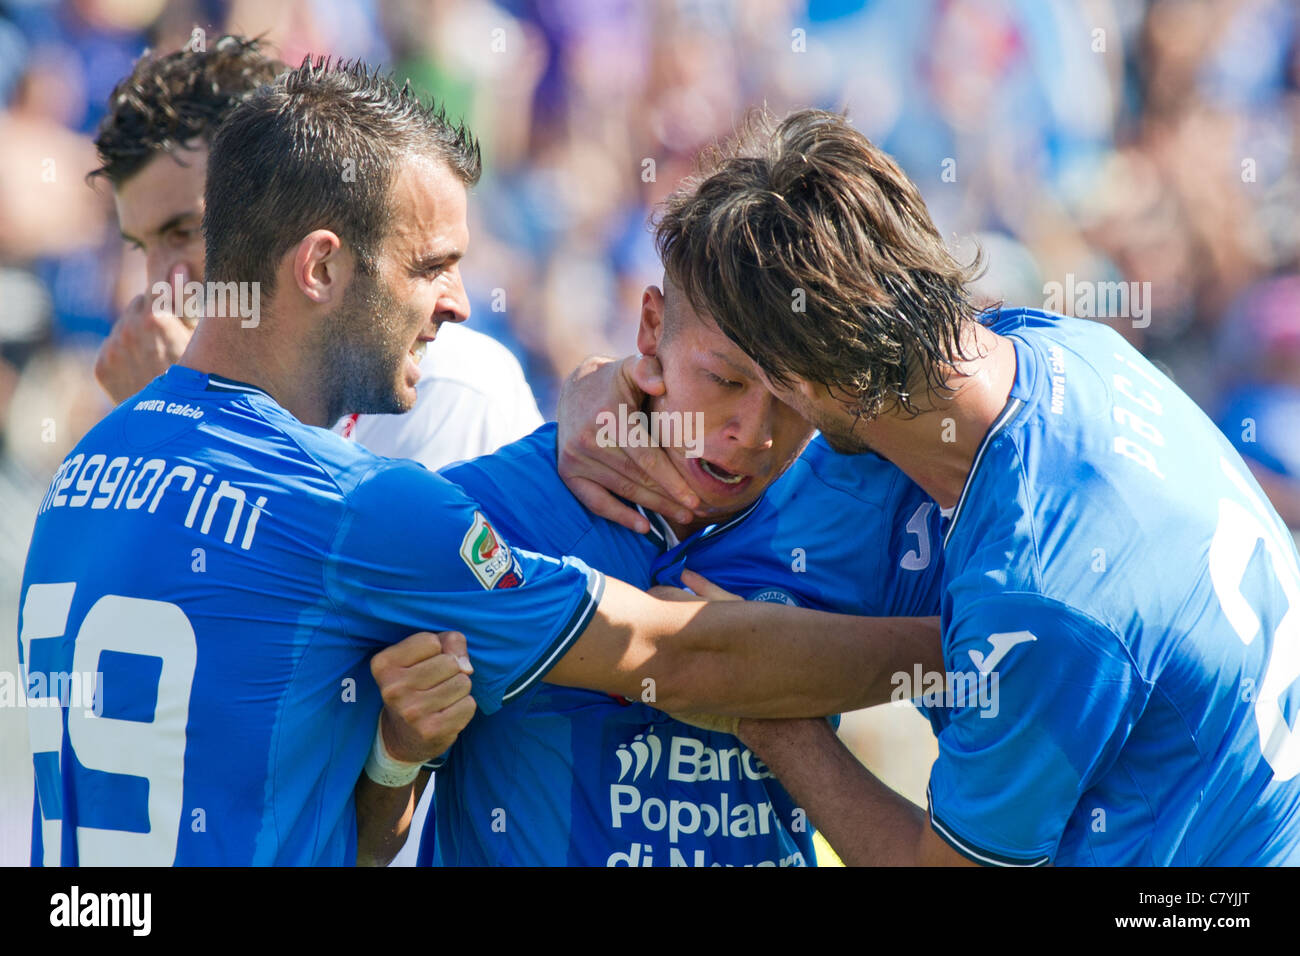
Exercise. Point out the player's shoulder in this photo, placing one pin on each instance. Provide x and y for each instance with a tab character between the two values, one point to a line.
1028	615
228	426
1033	324
521	489
1052	432
373	481
820	475
525	466
304	456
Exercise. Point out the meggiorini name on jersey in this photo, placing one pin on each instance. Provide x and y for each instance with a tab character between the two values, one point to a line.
98	483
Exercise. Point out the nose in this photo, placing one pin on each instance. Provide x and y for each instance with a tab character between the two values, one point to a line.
162	264
751	424
453	305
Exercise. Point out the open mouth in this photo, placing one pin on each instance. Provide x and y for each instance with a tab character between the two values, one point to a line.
421	345
720	473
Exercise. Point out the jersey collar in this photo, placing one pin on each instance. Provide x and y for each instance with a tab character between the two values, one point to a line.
662	534
219	383
1021	389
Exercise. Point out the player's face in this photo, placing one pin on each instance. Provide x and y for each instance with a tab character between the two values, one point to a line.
833	415
748	437
381	330
160	212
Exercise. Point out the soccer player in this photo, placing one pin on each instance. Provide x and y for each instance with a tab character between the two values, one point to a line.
223	566
565	776
153	150
1112	573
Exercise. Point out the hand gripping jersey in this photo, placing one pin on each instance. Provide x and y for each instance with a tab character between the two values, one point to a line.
1124	607
561	776
207	580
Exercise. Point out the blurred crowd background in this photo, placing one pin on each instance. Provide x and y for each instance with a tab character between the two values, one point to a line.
1154	142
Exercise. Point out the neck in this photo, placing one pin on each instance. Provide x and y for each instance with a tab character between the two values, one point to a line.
684	531
937	448
221	346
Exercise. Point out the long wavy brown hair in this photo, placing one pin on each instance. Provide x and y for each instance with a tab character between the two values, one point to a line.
814	253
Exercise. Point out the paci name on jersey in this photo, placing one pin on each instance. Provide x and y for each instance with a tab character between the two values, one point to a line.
95	481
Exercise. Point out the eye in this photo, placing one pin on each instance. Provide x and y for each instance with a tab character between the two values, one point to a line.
181	236
431	271
724	382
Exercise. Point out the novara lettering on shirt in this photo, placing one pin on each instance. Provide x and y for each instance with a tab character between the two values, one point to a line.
639	801
1056	355
98	483
171	408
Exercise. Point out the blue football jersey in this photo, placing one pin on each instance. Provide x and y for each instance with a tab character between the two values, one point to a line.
207	580
1121	618
562	776
849	534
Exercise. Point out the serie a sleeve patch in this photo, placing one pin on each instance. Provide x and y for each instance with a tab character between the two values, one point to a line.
488	557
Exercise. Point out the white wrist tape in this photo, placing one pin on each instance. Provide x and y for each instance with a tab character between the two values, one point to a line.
386	770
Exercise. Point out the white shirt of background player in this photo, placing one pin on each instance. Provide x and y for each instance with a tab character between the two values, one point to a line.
471	399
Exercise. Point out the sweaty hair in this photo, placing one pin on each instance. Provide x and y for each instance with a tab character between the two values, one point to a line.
318	149
169	100
814	253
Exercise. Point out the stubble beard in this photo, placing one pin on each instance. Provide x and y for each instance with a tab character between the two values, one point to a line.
844	434
363	352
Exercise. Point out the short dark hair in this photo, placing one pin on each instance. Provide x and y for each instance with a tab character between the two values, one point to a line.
280	165
169	100
813	252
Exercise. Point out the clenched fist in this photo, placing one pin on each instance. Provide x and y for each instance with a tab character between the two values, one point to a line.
425	683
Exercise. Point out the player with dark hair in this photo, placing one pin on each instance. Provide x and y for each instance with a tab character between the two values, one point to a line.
1110	567
227	567
177	101
153	148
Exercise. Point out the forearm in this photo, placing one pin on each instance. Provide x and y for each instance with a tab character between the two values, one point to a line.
743	658
384	818
863	820
793	662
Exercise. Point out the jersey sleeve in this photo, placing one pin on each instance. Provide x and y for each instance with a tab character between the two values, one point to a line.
415	551
1043	697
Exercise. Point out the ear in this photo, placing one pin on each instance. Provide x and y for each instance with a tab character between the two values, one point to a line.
651	329
320	267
